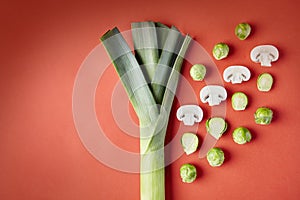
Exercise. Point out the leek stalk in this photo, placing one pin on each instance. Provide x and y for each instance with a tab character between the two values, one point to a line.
164	67
164	76
146	47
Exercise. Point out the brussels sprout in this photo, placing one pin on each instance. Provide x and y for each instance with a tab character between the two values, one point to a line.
220	51
241	135
263	116
216	126
215	157
242	31
264	82
189	142
198	72
239	101
188	173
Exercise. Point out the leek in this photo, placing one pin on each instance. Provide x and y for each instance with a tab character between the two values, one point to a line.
170	49
146	47
162	31
153	119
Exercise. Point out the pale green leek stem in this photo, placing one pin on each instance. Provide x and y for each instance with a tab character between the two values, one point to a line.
146	47
153	122
131	76
164	67
152	160
162	33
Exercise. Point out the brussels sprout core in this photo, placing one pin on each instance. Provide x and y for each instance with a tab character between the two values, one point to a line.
220	51
242	31
263	116
215	157
188	173
241	135
198	72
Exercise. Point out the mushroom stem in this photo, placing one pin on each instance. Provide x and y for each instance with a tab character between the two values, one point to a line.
265	60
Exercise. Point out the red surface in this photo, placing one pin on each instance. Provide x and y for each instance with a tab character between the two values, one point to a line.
43	44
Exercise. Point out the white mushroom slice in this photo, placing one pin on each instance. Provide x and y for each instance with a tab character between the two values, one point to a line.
213	94
189	114
236	74
264	54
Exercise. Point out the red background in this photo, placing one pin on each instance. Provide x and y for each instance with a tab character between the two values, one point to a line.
43	44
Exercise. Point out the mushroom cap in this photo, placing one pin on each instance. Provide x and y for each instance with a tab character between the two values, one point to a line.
263	49
189	110
236	70
212	93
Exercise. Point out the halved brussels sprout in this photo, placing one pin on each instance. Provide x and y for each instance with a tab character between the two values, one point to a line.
239	101
216	126
189	142
264	82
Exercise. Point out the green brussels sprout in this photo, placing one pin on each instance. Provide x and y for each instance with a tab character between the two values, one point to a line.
220	51
242	31
188	173
263	116
189	142
216	126
241	135
239	101
215	157
198	72
264	82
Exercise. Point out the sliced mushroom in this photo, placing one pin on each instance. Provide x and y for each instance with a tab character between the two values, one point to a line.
213	94
264	54
236	74
189	114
